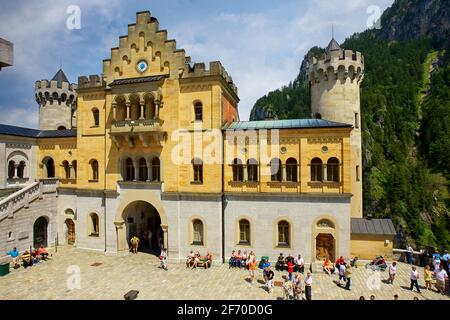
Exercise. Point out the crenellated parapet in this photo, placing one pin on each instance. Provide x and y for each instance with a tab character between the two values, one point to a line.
336	65
57	91
93	81
215	69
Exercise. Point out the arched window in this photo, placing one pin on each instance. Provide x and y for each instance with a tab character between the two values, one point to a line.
291	170
11	169
94	169
96	117
66	167
333	170
50	168
316	169
21	170
74	167
198	110
275	170
252	170
94	224
244	231
197	166
129	170
238	170
156	170
283	233
143	170
198	232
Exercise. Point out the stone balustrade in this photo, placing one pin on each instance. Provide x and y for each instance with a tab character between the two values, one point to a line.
23	197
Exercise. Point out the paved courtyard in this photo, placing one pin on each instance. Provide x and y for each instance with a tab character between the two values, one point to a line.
110	277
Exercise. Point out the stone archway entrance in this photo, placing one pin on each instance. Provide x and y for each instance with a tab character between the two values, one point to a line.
325	245
40	235
70	236
143	220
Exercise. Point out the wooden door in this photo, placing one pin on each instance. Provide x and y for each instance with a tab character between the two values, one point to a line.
325	247
70	231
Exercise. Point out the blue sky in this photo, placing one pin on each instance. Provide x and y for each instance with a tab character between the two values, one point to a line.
261	43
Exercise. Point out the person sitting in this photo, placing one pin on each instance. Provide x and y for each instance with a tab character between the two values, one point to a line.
208	260
328	266
190	259
232	262
196	259
354	262
26	259
289	258
42	252
280	262
238	259
35	257
299	264
244	259
14	253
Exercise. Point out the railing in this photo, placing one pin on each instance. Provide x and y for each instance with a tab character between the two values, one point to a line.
23	197
141	125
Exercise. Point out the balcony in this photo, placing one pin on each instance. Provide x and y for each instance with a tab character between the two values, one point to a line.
146	130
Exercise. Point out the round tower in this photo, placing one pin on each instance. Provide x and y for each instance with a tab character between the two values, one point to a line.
57	103
334	81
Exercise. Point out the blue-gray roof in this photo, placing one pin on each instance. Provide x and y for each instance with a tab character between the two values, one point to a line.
372	226
34	133
286	124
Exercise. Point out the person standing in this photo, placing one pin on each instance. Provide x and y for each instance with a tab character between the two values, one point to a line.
287	288
308	286
436	260
409	254
341	273
299	286
290	267
428	277
270	275
441	276
162	259
14	253
348	276
392	272
414	279
251	270
445	259
134	244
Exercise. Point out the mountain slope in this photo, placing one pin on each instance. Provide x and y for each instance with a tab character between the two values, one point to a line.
405	118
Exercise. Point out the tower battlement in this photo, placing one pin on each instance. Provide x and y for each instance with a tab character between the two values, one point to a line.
57	101
336	64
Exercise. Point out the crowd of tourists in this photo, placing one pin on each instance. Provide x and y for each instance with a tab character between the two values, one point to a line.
27	258
195	260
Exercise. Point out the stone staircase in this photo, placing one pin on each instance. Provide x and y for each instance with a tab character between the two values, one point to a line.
23	197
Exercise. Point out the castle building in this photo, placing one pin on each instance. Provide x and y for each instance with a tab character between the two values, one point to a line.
155	144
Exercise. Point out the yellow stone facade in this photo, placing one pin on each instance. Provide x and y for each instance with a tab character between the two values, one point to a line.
132	122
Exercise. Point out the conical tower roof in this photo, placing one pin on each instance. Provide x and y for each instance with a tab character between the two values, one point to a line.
60	77
333	46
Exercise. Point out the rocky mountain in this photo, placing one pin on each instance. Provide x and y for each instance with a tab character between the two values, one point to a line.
405	112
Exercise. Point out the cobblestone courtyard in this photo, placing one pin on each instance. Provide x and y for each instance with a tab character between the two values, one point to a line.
114	276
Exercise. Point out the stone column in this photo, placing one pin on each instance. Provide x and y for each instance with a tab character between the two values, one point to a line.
114	107
122	244
72	172
136	170
157	105
15	171
324	177
166	240
149	170
128	104
142	115
245	169
283	173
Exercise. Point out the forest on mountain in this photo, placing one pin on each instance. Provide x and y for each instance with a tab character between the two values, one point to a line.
405	114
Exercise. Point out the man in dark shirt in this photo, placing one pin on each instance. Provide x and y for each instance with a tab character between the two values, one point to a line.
270	276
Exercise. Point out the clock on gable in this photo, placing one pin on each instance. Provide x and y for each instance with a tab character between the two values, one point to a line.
142	66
